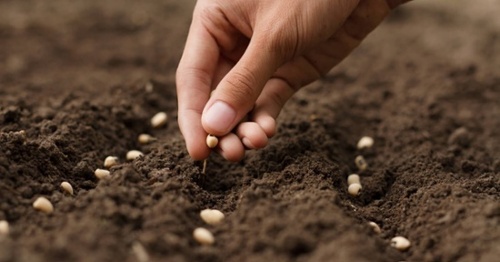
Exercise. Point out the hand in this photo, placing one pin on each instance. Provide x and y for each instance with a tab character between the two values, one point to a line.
255	55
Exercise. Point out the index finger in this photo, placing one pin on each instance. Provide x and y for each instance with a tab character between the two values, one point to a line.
193	80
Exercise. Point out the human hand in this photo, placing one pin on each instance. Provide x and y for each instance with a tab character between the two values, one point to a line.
255	55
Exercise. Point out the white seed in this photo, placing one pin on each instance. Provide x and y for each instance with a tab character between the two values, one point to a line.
145	139
149	87
353	179
375	227
361	163
140	252
43	204
110	161
4	228
67	187
354	189
400	243
365	142
203	236
159	119
102	173
212	216
133	154
212	141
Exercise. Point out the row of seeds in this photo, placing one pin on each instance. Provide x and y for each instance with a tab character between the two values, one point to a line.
354	189
44	205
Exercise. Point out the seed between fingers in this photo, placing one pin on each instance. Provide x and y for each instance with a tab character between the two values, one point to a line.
212	141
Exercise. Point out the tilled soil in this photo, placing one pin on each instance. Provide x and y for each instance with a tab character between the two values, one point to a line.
79	80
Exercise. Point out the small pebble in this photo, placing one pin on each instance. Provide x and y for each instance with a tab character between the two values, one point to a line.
460	137
203	236
212	216
365	142
102	173
67	187
375	227
43	204
110	161
400	243
354	189
159	120
353	179
133	154
145	139
4	228
361	163
212	141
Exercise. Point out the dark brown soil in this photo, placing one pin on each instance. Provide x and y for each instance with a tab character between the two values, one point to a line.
425	85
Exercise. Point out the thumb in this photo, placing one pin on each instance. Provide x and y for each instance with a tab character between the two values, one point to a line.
237	92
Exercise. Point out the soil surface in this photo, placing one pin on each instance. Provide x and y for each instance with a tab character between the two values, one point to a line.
80	80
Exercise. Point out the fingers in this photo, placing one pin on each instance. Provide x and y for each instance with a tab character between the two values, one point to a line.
193	80
237	92
231	148
252	135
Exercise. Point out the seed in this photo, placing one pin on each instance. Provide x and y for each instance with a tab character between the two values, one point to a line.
159	119
149	87
67	187
353	179
4	228
203	236
133	154
110	161
375	227
365	142
145	139
140	252
400	243
361	163
212	141
102	173
212	216
354	189
43	204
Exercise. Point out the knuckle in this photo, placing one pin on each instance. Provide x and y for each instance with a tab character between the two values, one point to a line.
242	85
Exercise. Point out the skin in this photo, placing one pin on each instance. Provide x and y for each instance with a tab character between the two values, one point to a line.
254	55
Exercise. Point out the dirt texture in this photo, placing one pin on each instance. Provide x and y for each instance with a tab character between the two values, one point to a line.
80	80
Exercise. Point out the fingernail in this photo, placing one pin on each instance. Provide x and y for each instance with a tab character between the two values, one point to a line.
219	117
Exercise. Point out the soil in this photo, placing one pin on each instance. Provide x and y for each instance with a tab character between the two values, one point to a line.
75	87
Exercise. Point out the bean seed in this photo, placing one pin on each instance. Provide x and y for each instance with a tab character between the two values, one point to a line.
102	173
365	142
110	161
354	189
43	204
145	139
149	87
133	154
203	236
159	119
400	243
352	179
375	227
67	187
212	216
140	252
4	228
361	163
212	141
